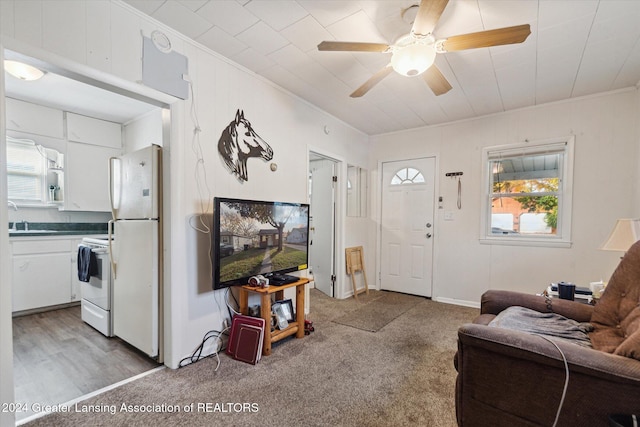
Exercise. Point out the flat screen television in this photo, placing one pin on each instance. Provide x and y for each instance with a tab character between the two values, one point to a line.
252	237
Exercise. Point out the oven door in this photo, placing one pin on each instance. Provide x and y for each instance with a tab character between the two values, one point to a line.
98	289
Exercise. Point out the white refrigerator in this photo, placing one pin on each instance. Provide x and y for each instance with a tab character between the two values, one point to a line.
136	249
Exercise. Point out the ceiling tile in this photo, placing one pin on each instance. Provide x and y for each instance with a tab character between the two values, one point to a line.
356	28
228	15
289	56
341	65
278	14
459	17
306	34
630	72
253	60
182	19
498	13
146	6
219	41
262	38
193	5
329	11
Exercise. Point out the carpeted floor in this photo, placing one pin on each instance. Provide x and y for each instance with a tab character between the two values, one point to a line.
401	375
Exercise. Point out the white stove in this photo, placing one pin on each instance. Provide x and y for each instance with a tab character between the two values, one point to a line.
97	293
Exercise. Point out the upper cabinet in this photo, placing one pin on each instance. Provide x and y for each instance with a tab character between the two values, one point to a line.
93	131
35	119
87	177
81	182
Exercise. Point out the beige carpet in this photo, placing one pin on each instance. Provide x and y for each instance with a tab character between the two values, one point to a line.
379	311
402	375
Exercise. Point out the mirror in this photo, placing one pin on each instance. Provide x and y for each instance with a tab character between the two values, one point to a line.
356	191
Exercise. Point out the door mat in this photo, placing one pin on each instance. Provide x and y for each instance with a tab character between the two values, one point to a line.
380	312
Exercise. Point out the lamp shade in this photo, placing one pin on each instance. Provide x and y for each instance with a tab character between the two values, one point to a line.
625	233
413	59
22	71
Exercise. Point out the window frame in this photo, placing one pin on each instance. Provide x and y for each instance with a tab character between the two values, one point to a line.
408	181
562	238
42	177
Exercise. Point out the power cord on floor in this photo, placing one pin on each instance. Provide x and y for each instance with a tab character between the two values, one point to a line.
566	380
197	354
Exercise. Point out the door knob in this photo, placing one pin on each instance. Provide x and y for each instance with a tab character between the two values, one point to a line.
428	235
428	225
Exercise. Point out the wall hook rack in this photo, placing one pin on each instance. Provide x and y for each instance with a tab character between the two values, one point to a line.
453	174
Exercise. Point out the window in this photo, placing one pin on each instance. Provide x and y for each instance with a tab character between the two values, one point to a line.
28	168
407	176
527	193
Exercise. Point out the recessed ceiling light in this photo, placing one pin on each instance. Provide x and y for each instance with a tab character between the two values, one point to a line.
22	71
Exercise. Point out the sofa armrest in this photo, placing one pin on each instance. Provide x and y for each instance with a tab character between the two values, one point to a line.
494	301
508	377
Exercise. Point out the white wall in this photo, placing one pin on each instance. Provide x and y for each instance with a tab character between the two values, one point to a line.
102	38
605	177
142	131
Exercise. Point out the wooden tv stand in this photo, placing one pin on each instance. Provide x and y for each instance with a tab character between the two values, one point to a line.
296	327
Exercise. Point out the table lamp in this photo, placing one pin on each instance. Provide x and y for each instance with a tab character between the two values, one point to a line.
625	233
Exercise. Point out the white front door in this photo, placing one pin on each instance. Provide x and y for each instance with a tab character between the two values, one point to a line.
322	224
407	226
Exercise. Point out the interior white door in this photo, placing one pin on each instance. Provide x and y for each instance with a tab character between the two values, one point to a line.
136	284
321	249
406	238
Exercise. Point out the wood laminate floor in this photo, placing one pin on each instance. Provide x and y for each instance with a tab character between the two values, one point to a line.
57	357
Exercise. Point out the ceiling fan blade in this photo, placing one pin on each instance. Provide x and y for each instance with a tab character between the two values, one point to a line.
436	81
500	36
374	80
428	14
352	46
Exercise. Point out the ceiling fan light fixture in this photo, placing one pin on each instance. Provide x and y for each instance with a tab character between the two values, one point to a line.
22	71
413	60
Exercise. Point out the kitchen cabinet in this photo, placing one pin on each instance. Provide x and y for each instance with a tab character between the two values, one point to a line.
93	131
35	119
45	271
41	273
87	177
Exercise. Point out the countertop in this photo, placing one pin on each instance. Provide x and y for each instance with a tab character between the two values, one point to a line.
36	229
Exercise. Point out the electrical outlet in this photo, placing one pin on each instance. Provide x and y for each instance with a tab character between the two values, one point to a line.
448	216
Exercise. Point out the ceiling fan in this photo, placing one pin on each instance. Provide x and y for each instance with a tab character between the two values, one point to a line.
414	54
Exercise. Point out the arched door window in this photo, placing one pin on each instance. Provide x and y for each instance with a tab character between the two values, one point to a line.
407	175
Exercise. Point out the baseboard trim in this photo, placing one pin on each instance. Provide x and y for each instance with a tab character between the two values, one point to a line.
472	304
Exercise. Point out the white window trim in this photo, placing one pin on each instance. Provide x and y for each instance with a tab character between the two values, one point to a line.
565	202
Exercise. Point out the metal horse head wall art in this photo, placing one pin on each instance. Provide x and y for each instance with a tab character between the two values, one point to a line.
238	142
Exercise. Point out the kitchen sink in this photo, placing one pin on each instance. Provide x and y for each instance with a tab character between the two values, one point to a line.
31	231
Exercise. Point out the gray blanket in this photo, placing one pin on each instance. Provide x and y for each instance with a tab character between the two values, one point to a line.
548	324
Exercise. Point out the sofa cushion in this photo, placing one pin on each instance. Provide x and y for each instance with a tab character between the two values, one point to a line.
616	316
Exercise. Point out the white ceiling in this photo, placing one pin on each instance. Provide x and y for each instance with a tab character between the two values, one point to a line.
64	93
576	48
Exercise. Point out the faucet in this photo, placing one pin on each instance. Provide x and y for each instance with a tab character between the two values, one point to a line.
15	207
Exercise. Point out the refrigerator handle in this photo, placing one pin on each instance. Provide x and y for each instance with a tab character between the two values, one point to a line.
110	231
112	196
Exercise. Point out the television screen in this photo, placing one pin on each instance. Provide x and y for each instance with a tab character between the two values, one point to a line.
257	237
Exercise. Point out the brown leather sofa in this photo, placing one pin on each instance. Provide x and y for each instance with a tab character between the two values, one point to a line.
512	378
